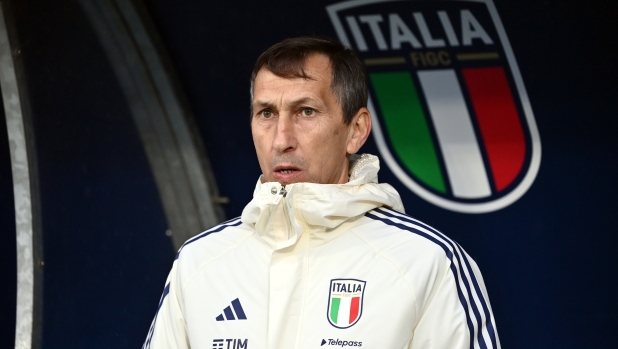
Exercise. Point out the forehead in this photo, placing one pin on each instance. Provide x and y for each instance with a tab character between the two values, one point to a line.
317	68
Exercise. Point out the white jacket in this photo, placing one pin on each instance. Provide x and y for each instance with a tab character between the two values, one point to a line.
324	265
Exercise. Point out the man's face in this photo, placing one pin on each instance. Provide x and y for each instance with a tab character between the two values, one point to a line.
298	127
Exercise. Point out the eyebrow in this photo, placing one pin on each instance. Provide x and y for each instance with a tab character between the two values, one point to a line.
263	104
303	100
294	103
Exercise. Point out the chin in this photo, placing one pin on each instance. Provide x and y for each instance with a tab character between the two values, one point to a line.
290	182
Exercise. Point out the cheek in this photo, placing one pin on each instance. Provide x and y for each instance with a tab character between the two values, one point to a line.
330	145
259	144
340	138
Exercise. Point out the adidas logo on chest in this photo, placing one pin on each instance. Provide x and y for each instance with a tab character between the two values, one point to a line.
233	312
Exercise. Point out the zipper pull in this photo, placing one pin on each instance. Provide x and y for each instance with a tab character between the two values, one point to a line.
282	194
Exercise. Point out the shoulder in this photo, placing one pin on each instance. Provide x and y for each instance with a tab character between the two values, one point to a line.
404	238
438	270
213	242
417	248
424	256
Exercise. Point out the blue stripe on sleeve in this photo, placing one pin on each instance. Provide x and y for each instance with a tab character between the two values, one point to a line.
456	252
166	290
465	280
488	316
231	223
462	299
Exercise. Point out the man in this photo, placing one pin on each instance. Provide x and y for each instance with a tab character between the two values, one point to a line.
323	255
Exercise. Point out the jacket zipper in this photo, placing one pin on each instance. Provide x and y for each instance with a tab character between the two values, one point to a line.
286	214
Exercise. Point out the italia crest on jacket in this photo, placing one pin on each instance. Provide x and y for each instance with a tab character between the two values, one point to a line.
345	302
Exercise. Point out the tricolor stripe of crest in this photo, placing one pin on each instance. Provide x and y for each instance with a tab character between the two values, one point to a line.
451	116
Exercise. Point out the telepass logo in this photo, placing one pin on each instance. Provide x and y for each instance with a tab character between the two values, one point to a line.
345	302
452	119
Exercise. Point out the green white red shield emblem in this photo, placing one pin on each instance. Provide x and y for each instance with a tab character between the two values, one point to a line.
345	302
451	116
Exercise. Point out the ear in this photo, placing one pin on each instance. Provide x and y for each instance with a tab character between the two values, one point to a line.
359	130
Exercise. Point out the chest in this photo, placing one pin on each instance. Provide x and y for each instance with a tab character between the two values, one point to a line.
335	296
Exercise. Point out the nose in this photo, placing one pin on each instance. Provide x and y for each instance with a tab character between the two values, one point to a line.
285	136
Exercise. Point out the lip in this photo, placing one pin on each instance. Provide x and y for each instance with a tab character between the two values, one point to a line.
286	178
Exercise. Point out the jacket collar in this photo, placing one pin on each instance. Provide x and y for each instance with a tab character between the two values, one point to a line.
280	215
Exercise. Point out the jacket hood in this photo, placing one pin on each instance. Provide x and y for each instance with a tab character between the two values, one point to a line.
281	214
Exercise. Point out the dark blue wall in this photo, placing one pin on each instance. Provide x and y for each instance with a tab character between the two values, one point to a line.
548	259
106	252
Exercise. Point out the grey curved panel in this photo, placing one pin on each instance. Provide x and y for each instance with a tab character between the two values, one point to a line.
181	169
20	168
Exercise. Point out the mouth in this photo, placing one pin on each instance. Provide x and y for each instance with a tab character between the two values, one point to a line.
286	173
284	169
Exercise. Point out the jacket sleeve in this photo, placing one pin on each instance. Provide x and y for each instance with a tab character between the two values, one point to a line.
168	328
459	314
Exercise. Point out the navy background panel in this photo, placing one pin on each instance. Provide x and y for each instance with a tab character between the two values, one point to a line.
544	257
548	260
106	252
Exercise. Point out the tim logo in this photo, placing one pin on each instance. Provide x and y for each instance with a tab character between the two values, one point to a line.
230	343
345	302
452	118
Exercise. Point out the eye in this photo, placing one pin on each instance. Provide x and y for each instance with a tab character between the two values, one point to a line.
308	112
266	114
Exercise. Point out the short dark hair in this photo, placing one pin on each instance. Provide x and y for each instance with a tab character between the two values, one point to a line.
349	79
